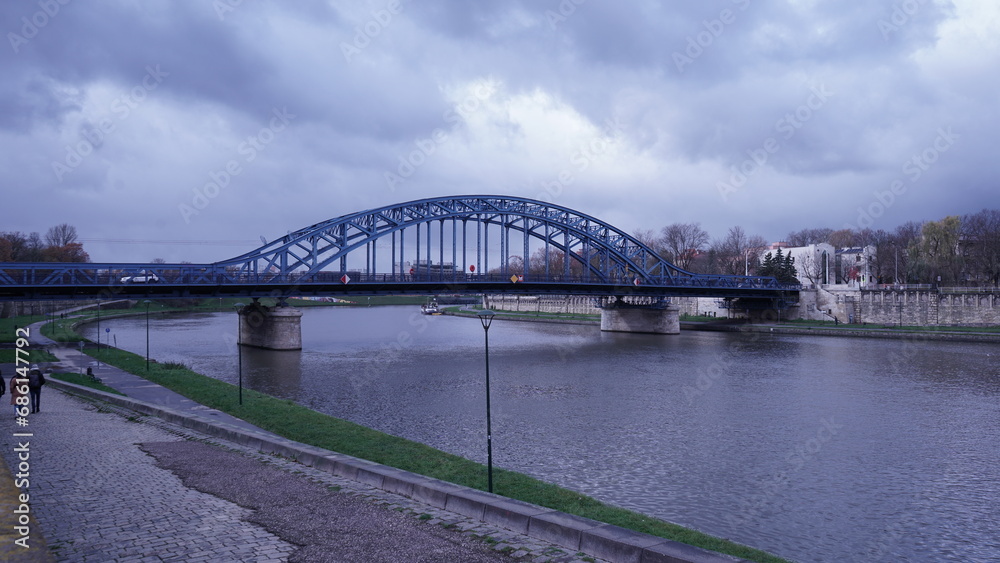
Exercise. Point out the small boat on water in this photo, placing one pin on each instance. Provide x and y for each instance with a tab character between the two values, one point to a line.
430	308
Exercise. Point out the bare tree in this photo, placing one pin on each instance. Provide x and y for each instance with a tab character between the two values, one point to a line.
683	241
981	241
811	268
805	237
904	262
649	238
844	238
738	253
60	235
33	249
882	264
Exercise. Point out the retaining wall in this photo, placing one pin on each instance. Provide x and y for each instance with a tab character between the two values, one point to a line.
920	308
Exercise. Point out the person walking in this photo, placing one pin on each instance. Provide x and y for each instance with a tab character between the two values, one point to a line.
18	389
35	381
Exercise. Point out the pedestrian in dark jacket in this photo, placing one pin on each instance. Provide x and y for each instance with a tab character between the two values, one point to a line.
35	381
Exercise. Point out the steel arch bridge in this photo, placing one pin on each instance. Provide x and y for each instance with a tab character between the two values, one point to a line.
482	244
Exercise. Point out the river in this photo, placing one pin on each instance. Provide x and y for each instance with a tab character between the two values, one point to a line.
818	449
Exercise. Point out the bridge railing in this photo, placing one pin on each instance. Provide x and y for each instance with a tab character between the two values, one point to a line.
112	275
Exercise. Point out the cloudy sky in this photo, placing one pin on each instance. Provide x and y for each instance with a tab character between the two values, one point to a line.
187	130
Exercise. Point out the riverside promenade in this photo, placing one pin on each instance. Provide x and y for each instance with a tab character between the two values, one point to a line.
110	481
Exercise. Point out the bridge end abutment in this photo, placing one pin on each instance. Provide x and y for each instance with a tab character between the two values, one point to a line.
272	328
652	320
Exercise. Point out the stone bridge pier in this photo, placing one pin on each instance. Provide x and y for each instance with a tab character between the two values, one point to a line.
273	328
625	317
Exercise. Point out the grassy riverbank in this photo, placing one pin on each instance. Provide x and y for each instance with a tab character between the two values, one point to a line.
85	381
35	355
9	326
285	418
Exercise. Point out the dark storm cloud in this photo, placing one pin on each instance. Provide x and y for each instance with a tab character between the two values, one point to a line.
844	93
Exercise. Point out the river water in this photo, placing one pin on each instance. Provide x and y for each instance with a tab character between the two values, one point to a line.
816	449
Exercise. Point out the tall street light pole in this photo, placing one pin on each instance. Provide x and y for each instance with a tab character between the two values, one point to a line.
239	346
486	317
146	302
98	333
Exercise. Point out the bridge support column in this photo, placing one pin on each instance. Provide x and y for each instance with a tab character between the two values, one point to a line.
643	320
273	328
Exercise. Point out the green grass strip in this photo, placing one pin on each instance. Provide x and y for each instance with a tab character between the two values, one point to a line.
10	325
295	422
85	381
35	355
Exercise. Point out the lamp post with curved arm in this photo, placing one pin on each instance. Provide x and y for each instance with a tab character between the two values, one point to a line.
486	318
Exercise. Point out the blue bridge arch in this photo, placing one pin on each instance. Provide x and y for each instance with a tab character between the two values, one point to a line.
504	244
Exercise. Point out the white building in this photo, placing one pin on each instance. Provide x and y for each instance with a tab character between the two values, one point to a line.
814	264
854	266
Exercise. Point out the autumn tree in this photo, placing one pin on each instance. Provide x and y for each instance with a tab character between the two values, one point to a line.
937	250
59	245
72	252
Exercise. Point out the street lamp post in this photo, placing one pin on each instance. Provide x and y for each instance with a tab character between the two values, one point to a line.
486	317
239	346
98	333
146	302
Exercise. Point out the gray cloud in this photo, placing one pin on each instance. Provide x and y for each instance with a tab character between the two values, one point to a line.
694	91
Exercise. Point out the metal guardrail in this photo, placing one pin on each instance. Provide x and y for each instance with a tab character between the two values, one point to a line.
931	287
37	275
969	290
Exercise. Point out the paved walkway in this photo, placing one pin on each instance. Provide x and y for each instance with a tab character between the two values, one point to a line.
72	359
97	495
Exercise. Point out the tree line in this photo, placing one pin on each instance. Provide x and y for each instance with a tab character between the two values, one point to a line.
60	244
956	250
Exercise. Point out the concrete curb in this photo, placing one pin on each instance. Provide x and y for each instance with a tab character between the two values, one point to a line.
576	533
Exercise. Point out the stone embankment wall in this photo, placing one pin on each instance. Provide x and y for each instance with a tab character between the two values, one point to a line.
929	308
918	308
542	304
